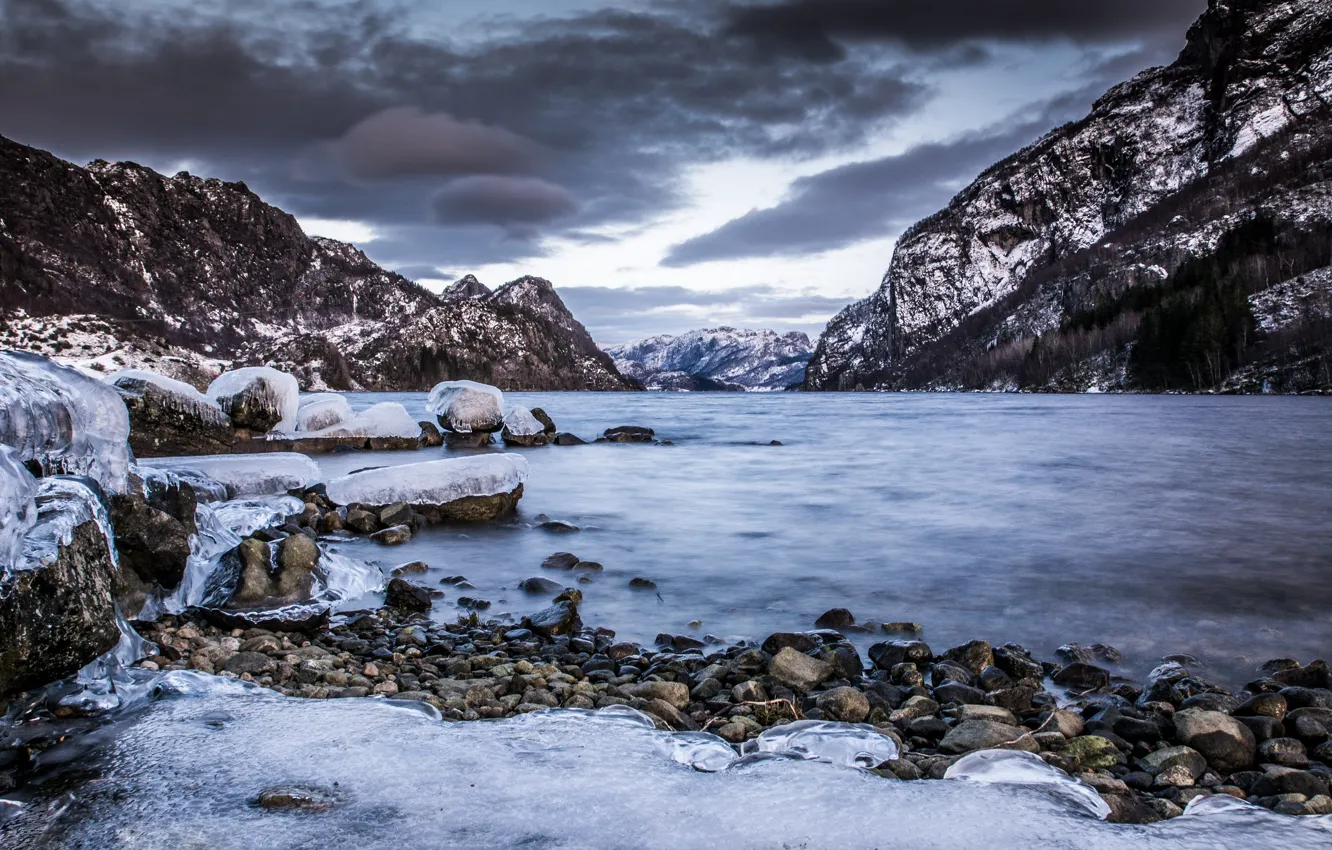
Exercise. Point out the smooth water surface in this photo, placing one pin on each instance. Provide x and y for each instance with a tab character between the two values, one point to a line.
1159	525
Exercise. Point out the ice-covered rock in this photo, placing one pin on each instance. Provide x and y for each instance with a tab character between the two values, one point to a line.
521	428
1012	767
170	417
386	419
64	420
321	411
18	508
845	744
259	398
466	407
468	488
248	474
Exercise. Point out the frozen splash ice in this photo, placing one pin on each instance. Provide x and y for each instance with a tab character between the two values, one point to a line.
322	410
435	482
386	419
844	744
185	772
63	419
276	392
63	504
248	475
520	422
466	406
1011	767
18	507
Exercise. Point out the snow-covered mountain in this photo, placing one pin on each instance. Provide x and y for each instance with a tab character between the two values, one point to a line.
715	359
1158	173
115	265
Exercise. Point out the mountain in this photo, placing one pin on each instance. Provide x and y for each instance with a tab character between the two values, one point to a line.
1176	238
115	265
717	359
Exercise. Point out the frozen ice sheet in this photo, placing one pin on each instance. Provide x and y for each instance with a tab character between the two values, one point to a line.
248	475
435	482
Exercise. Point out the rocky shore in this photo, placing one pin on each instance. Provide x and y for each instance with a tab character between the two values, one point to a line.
1147	750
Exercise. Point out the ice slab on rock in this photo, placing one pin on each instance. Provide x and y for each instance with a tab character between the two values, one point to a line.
550	779
178	395
1012	767
435	482
466	406
18	507
265	392
248	475
325	410
386	419
65	420
520	422
63	504
845	744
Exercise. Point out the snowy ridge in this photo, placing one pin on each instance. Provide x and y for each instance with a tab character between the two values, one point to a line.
743	359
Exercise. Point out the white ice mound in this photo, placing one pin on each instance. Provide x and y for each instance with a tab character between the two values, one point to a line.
248	475
258	397
321	411
551	779
435	482
18	508
63	504
65	420
520	422
386	419
466	406
845	744
175	395
1011	767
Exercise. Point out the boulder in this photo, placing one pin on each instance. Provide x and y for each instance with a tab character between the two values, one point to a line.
567	439
1287	752
970	735
266	575
675	694
169	417
405	596
59	615
1081	676
467	407
257	398
975	655
547	424
394	535
430	436
798	671
1226	743
559	619
799	641
836	618
153	544
845	704
1173	757
521	428
539	585
464	489
560	561
889	654
628	434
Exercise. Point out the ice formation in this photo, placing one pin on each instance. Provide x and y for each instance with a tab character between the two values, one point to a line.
386	419
1011	767
18	508
66	421
466	406
178	394
520	422
321	411
63	504
277	392
845	744
247	475
551	779
435	482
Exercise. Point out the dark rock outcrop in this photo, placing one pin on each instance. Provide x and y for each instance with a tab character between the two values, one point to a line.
160	425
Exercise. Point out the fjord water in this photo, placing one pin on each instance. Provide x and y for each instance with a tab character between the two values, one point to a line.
1157	524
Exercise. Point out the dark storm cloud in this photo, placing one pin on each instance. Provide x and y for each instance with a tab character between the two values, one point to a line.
419	272
618	315
818	29
874	199
509	202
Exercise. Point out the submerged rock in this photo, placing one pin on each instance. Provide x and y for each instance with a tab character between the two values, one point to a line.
567	439
547	424
628	434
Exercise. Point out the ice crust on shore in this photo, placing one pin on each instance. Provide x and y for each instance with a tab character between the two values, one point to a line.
246	475
65	420
179	395
550	779
279	393
435	482
466	406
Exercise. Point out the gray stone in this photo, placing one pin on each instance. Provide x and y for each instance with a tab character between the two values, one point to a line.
1226	743
1170	757
845	704
673	693
798	671
971	735
393	536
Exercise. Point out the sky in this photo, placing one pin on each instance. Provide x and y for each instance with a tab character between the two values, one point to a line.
667	164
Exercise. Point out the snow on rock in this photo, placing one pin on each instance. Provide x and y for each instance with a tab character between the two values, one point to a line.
1307	298
248	474
169	417
64	420
543	780
18	508
467	406
436	482
747	359
258	397
322	410
177	395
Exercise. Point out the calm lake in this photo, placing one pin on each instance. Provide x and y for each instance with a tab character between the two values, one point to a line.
1156	524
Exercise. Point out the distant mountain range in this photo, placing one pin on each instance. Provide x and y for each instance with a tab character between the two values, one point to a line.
1176	238
716	359
115	265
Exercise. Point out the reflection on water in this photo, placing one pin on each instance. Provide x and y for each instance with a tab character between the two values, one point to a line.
1155	524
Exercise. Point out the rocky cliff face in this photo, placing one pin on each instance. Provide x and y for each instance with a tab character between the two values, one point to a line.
1076	218
717	359
182	274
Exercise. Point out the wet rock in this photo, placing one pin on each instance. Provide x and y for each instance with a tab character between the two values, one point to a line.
836	618
405	596
1313	675
1126	808
359	519
547	424
567	439
152	543
59	616
557	526
1287	752
560	561
1066	723
163	423
1082	677
398	513
431	438
798	671
539	585
474	440
956	692
414	568
1286	780
675	694
1270	705
971	735
975	655
289	798
642	584
1017	662
1262	726
799	641
628	434
253	663
1089	654
845	704
1227	744
1298	697
392	536
844	659
1175	757
891	653
559	619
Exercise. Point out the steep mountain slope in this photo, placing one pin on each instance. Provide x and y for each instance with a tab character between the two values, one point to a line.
716	359
184	274
1077	218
